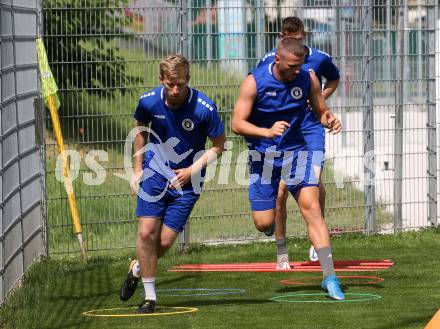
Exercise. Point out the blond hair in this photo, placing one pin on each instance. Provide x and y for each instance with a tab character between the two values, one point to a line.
172	66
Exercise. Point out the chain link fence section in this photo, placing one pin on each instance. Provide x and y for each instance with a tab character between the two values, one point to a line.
378	172
22	211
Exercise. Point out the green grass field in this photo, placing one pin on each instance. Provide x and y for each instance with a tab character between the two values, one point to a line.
222	213
56	291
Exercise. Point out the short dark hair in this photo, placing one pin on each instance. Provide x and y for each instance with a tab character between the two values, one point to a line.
291	45
292	24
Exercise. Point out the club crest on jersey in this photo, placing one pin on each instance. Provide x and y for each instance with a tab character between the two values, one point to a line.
296	92
188	125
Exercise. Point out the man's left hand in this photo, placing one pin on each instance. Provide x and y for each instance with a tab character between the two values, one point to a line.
183	176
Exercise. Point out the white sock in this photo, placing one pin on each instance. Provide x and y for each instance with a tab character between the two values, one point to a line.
283	258
136	269
149	287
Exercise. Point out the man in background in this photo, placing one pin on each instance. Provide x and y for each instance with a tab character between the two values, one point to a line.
314	134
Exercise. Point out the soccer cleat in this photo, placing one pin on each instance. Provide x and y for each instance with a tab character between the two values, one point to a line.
312	254
332	285
129	286
270	231
147	306
283	262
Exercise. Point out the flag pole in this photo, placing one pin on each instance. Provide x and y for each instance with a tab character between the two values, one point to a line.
52	102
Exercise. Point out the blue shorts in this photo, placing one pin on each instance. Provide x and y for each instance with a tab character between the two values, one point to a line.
313	132
171	206
297	169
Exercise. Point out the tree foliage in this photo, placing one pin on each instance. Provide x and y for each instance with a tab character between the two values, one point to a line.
81	41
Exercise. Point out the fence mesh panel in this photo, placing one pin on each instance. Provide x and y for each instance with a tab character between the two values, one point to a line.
377	172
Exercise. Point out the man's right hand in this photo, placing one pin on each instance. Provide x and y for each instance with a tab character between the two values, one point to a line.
134	181
333	123
278	129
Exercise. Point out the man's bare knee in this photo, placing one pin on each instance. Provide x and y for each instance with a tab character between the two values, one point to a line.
262	225
166	243
264	219
147	235
311	208
167	238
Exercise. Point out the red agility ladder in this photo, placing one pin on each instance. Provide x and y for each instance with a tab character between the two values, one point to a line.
309	266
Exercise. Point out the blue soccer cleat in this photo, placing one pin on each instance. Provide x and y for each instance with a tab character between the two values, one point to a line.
270	231
332	285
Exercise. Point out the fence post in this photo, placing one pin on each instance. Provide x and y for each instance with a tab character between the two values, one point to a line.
339	50
432	131
2	248
437	72
398	117
39	123
419	50
368	124
183	27
184	237
261	50
389	50
184	18
208	32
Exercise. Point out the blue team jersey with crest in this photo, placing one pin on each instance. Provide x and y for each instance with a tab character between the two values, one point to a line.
322	64
279	101
186	128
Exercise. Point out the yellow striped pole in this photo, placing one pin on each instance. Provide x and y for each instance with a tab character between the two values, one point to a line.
52	102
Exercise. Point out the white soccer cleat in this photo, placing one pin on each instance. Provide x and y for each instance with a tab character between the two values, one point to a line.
283	262
312	254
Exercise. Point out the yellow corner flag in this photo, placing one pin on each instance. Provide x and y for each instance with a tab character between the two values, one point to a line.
48	82
51	101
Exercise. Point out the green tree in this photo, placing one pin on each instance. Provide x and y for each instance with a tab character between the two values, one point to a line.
80	38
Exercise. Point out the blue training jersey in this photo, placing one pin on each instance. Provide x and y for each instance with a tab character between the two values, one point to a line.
322	64
177	135
279	101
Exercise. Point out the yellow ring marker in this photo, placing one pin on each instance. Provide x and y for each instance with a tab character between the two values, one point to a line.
183	310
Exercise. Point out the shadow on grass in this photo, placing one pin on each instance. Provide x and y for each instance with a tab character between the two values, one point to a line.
317	288
96	286
179	279
407	322
217	302
85	289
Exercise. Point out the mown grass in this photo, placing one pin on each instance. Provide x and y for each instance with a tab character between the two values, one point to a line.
222	213
57	290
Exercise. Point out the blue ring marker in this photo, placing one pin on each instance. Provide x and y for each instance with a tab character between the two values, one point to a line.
214	291
364	298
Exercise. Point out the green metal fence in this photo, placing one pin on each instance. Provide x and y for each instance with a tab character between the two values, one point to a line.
378	172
